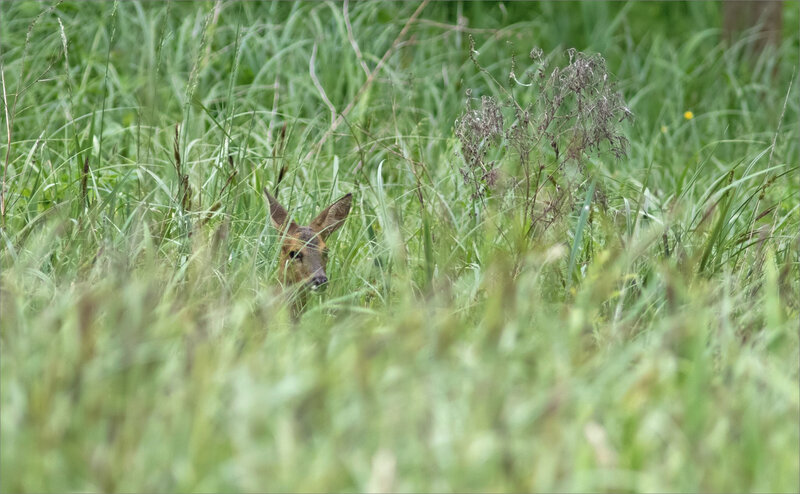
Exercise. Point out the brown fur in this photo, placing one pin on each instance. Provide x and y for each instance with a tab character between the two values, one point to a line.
304	253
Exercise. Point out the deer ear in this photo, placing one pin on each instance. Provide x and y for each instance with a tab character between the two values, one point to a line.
332	217
278	213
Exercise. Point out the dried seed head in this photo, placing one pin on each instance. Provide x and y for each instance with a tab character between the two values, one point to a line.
560	115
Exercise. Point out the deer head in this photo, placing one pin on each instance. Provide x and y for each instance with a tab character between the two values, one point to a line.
304	254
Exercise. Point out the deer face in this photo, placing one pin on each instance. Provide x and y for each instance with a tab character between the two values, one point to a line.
304	254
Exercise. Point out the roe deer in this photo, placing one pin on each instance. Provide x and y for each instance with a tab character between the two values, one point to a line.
304	254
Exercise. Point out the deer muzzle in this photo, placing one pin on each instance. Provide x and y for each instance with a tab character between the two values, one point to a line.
318	280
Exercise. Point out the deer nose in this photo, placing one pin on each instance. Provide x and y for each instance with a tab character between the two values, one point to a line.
318	280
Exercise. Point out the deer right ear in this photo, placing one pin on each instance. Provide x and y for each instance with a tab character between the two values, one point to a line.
278	213
332	217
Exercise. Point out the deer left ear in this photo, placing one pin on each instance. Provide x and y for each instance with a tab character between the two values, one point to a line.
278	213
332	217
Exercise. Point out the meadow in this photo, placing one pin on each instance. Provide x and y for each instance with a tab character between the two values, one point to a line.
563	270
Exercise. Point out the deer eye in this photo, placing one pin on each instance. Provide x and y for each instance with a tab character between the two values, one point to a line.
295	254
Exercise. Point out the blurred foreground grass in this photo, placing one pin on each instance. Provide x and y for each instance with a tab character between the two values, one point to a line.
144	344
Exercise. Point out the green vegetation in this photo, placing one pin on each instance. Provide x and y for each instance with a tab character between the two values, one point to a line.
640	335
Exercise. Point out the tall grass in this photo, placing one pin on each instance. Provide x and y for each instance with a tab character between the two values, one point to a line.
646	341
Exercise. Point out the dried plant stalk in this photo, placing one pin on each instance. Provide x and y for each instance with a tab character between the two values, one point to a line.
546	119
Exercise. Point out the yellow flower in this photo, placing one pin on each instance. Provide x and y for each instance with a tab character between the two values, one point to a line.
688	115
663	129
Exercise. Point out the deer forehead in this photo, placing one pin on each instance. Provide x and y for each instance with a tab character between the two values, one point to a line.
304	237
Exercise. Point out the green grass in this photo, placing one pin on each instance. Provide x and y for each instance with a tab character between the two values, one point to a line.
649	345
